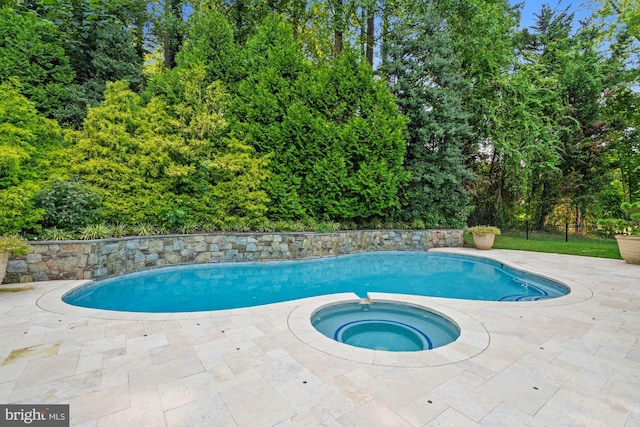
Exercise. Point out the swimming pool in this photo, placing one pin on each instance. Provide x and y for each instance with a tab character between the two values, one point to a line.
205	287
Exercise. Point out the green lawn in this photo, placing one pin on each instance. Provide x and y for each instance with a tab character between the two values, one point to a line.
554	243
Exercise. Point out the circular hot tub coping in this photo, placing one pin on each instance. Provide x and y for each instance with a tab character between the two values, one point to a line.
473	339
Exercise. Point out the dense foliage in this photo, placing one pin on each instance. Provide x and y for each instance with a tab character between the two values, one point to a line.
26	139
178	168
335	133
69	204
182	115
425	76
32	52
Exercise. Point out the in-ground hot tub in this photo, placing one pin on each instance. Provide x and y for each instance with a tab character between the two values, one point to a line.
385	326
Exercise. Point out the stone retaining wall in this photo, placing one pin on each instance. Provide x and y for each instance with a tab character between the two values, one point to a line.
94	259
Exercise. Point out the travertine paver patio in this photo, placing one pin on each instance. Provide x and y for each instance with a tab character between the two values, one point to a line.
570	361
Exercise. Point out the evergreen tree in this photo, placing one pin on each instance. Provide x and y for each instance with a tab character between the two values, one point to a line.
103	41
271	63
335	133
152	163
26	137
209	42
357	142
424	74
32	51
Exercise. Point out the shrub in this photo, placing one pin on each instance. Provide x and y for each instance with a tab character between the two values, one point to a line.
235	224
69	204
189	228
377	224
176	219
27	140
57	234
325	226
119	230
418	224
95	232
144	229
630	224
209	227
15	245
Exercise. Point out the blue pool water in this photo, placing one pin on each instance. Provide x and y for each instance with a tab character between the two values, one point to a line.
385	326
203	287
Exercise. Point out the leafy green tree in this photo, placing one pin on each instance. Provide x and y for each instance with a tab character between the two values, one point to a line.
424	75
621	115
482	36
584	155
575	61
523	146
620	14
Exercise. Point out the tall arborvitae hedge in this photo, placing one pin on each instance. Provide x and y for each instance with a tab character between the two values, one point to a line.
335	133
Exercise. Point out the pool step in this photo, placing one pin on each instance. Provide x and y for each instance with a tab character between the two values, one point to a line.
365	301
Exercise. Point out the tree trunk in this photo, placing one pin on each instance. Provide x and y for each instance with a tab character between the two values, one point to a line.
172	38
338	42
580	213
370	37
338	23
383	35
363	31
546	206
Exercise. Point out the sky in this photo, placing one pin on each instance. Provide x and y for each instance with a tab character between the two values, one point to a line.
533	6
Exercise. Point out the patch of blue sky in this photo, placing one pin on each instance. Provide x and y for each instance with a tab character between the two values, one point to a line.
529	9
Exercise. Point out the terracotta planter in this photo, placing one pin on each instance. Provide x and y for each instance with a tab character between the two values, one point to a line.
4	260
629	248
484	242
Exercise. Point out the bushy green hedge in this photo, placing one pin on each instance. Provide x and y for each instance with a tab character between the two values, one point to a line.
151	166
27	142
335	133
68	205
235	138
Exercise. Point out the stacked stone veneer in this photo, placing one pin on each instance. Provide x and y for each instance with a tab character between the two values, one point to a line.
100	258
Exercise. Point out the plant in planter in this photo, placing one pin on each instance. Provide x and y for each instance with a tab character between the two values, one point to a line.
11	245
483	236
627	231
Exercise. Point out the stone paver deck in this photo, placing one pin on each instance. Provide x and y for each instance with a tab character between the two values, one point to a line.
565	362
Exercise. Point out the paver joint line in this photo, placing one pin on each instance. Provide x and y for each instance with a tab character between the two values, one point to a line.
580	351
